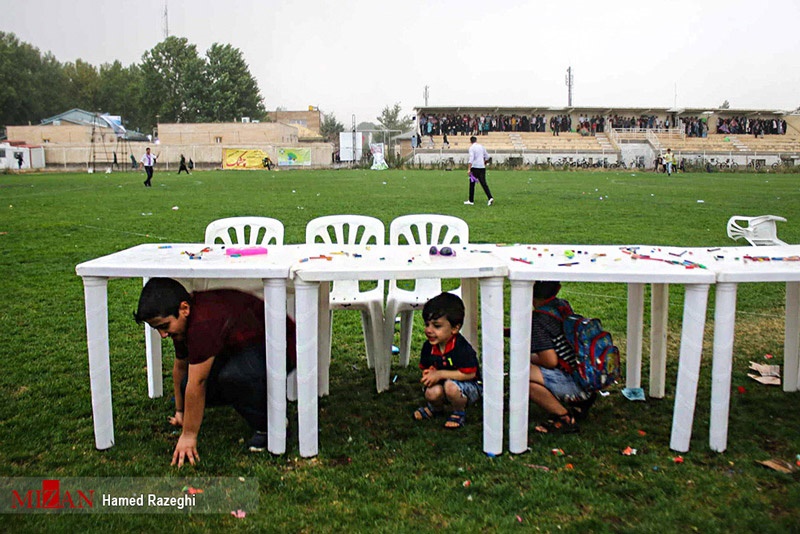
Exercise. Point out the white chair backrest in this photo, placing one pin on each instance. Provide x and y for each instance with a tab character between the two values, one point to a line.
428	229
346	230
760	230
245	231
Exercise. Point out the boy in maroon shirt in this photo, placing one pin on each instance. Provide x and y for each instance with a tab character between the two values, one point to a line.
220	355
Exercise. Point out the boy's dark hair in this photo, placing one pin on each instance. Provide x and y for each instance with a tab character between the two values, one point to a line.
446	305
546	289
473	139
161	297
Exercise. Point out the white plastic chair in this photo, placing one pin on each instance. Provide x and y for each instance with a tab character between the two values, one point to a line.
346	294
230	231
760	230
423	229
245	231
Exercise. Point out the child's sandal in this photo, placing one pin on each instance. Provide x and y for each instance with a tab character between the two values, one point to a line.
565	424
425	412
456	420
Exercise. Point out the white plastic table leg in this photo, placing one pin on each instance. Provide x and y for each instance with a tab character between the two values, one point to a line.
659	315
275	314
306	301
324	339
492	336
694	319
519	365
633	357
469	294
724	326
791	344
95	291
152	344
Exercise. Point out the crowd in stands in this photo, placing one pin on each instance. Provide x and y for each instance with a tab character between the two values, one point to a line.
694	127
756	127
466	124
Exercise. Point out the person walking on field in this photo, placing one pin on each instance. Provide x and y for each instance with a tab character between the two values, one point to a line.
148	160
183	167
477	171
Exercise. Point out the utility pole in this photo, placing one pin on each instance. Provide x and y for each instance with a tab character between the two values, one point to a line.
569	82
166	21
425	95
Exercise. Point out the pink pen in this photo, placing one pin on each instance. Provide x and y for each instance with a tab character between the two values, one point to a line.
248	251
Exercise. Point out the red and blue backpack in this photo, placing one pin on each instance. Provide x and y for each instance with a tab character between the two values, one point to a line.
597	359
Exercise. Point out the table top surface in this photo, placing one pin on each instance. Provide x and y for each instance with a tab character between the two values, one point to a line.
570	263
755	264
603	263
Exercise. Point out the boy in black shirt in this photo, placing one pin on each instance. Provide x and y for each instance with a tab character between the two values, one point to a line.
450	370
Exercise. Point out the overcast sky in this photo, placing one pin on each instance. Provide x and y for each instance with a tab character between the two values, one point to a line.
354	57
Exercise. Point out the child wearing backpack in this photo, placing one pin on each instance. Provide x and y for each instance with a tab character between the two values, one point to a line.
553	384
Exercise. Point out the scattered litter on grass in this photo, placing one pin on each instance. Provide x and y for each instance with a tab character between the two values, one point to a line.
557	452
241	479
741	390
469	498
519	519
146	214
467	483
604	393
768	356
778	465
294	191
239	514
633	394
175	208
701	201
769	375
642	432
628	451
569	467
539	467
678	459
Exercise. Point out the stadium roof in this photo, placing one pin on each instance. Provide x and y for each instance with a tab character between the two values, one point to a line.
86	118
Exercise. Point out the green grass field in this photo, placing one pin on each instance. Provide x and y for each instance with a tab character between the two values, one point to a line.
379	471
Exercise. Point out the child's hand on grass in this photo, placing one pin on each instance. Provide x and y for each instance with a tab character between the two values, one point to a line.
177	419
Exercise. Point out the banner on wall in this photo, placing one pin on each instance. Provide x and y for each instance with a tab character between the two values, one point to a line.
294	156
243	158
378	161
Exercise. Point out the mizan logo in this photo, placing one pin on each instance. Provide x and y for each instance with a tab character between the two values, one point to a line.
50	497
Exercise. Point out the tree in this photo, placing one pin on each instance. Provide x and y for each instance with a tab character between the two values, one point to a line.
83	85
330	128
725	105
232	91
173	82
119	93
31	85
390	119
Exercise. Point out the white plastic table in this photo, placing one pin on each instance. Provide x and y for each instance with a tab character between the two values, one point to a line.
620	264
732	266
400	262
154	260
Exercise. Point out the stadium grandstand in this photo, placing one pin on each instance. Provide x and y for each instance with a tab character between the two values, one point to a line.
605	136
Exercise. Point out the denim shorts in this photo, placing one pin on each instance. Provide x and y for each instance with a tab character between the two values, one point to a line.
472	390
562	385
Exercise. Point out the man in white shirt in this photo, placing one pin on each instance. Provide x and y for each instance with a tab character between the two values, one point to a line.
148	160
477	171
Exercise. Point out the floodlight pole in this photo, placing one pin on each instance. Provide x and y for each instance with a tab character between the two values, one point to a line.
569	82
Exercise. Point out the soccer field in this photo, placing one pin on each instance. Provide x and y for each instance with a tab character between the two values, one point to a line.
378	470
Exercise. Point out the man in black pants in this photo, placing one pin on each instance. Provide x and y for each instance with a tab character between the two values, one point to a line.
148	160
477	171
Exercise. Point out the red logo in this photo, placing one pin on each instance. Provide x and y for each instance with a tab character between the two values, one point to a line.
50	497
